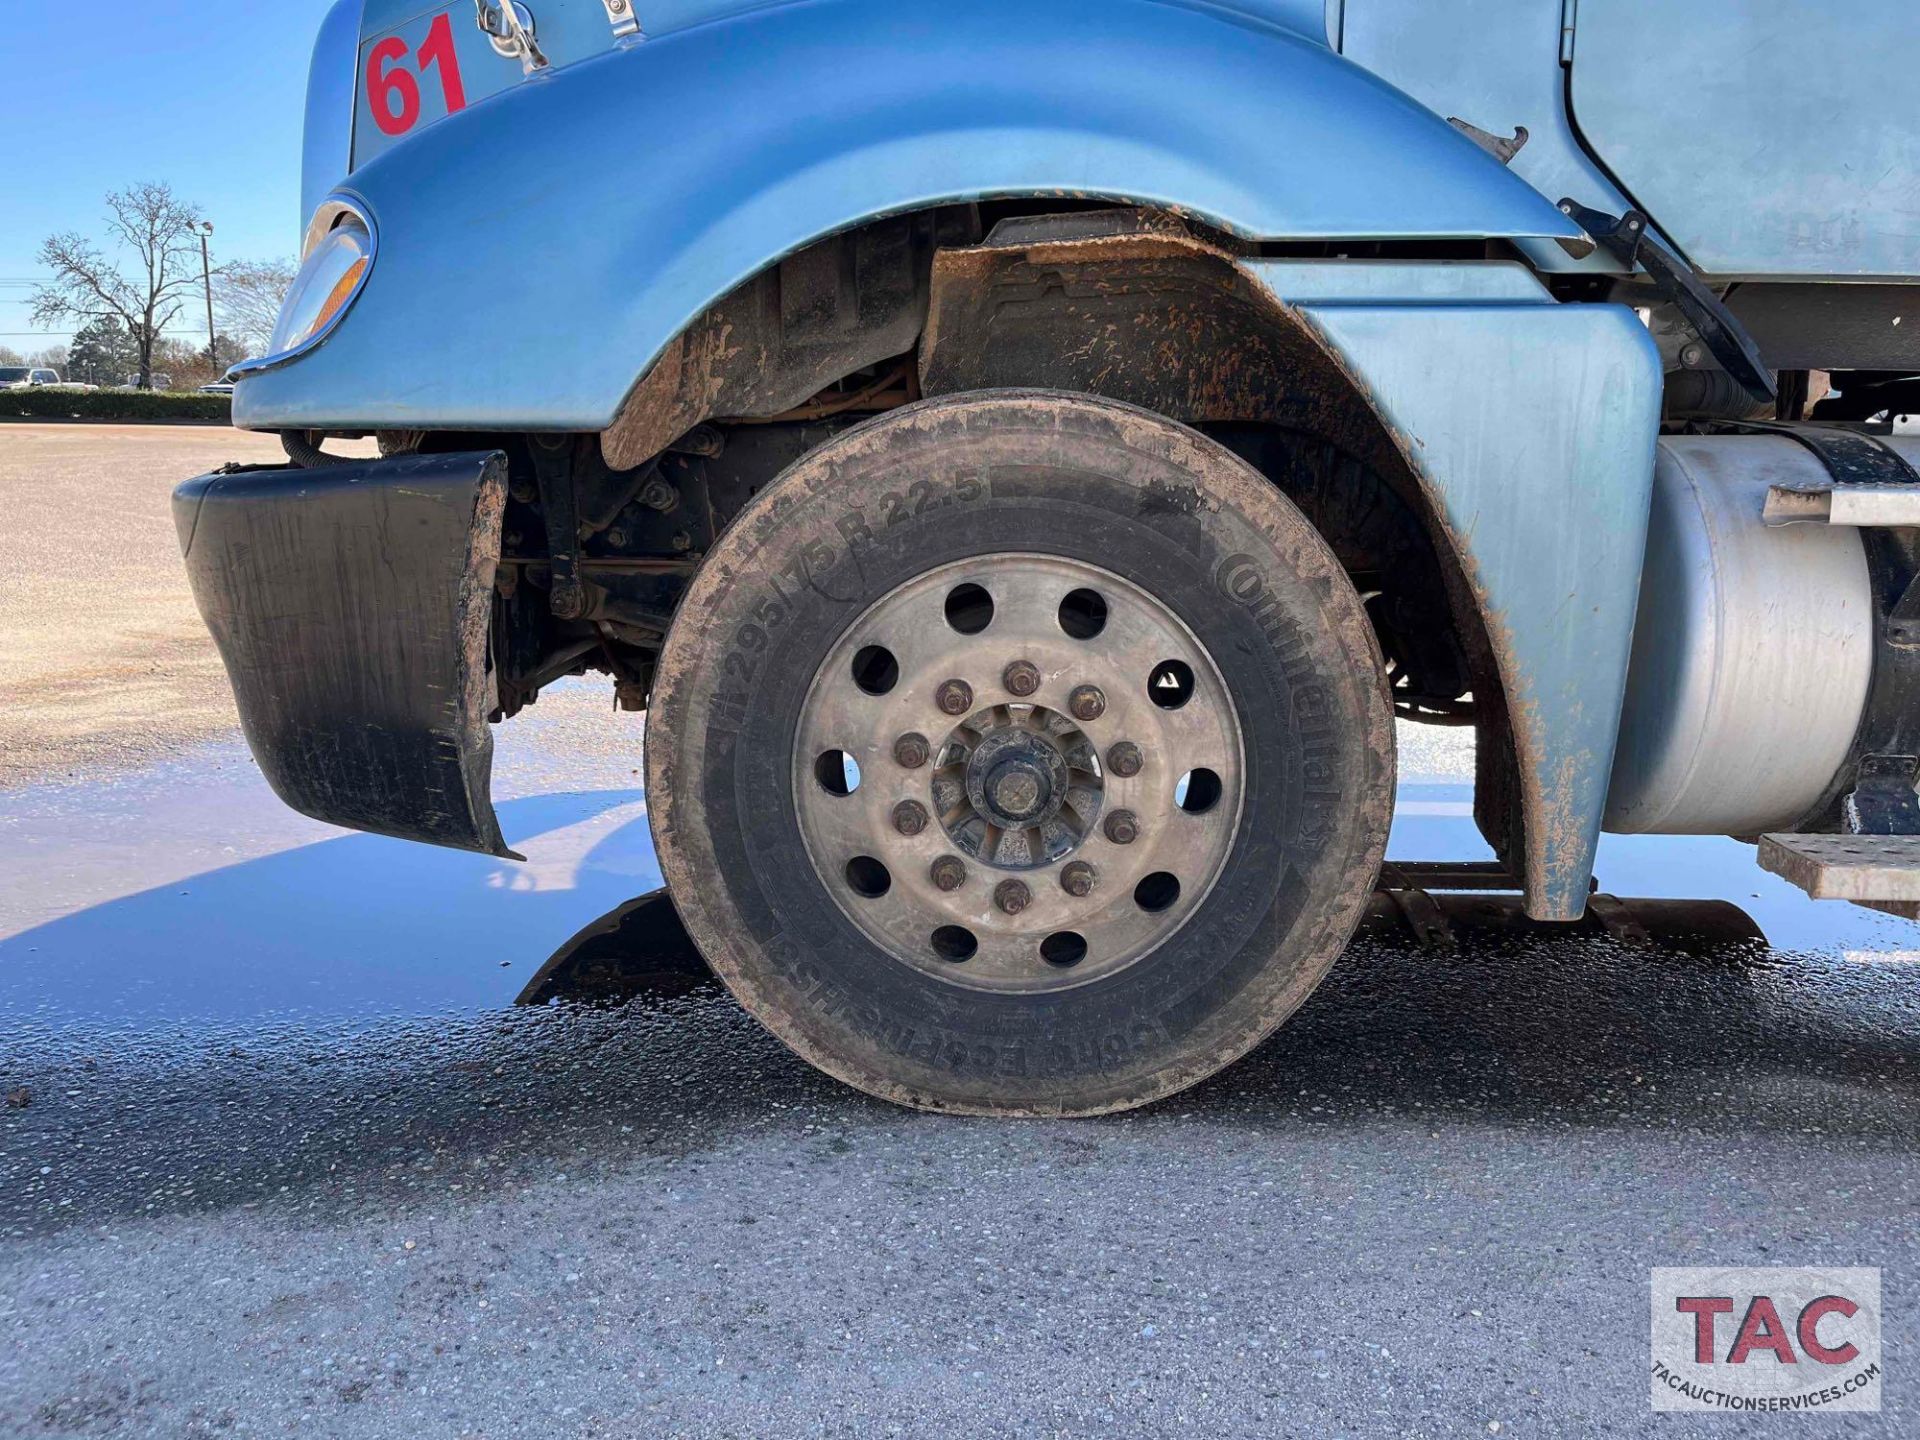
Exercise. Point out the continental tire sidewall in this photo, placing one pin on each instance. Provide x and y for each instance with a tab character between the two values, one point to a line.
945	481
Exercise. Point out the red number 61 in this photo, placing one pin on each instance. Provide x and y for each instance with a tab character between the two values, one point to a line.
394	94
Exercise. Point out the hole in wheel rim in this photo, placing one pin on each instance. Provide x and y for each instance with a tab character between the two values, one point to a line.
1064	949
875	670
1171	684
868	877
837	772
1083	614
955	944
1198	791
969	609
1158	892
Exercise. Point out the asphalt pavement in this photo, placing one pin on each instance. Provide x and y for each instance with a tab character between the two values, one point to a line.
280	1155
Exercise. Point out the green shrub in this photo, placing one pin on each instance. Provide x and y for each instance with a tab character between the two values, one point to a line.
51	404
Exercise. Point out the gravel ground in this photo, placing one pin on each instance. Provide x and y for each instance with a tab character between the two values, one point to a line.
92	534
283	1158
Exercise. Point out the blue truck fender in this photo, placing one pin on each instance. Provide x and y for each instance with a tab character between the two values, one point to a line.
1534	444
541	249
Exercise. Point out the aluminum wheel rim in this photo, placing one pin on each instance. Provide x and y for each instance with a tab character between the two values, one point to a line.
1076	858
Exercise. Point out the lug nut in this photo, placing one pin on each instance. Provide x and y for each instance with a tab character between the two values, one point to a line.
909	817
1012	896
948	873
911	751
1022	678
1078	879
1123	827
1087	703
1125	760
954	697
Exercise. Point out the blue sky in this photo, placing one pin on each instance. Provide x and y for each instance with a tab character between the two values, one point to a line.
206	96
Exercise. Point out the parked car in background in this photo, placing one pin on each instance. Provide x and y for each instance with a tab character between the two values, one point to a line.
27	377
222	386
156	381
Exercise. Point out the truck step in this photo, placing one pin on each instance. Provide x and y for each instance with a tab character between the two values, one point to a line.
1881	872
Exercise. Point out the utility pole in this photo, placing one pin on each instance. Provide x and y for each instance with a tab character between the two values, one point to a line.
206	276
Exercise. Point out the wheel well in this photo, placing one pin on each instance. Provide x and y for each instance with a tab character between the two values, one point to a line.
1142	306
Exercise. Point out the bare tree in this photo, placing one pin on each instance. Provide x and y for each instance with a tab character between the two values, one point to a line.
248	295
164	267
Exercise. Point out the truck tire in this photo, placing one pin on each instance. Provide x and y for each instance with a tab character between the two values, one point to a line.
1021	753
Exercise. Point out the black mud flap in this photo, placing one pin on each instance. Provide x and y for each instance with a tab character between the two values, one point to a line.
351	605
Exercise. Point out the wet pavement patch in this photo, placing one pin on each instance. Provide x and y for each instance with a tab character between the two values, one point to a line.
331	927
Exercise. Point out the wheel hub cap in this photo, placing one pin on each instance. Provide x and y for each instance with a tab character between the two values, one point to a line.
1017	787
